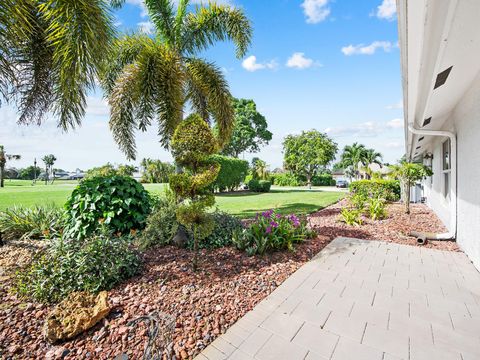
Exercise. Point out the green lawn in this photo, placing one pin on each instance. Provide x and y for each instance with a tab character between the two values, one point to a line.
243	204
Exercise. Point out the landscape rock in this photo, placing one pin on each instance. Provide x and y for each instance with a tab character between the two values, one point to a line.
77	313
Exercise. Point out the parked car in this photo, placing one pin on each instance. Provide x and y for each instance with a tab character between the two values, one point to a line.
341	184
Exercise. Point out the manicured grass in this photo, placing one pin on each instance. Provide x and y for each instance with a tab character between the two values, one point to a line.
242	204
285	201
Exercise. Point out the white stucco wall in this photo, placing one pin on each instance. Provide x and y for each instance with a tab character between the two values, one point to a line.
465	120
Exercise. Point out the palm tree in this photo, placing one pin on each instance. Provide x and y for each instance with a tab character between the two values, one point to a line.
259	169
353	155
369	157
49	160
152	78
3	161
51	53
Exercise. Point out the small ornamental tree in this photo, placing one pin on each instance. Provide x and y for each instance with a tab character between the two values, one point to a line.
409	173
308	153
192	144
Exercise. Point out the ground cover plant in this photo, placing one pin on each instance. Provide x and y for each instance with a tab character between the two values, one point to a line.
37	222
270	232
93	264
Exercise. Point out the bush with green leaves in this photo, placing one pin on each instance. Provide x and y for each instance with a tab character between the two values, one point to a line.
93	264
162	224
261	186
272	232
110	170
37	222
357	201
323	180
232	173
222	234
386	189
286	179
377	208
352	217
120	202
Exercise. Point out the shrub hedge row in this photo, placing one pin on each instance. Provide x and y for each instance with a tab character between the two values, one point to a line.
388	189
289	179
259	185
232	173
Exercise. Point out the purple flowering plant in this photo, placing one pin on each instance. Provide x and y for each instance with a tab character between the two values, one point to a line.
272	231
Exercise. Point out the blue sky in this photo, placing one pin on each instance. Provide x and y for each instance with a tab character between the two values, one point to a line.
329	65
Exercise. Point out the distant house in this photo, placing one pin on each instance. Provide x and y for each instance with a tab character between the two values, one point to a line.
440	57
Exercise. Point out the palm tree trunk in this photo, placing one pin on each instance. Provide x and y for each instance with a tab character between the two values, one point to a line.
2	171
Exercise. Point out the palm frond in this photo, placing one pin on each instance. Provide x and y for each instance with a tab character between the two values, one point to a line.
162	15
126	50
217	23
180	18
80	33
122	103
208	84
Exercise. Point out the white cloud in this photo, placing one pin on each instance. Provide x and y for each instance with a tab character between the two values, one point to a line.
251	64
315	10
395	124
398	105
299	61
362	49
394	145
145	27
387	10
365	129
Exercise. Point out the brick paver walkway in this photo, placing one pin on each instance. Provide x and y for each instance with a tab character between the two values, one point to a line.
364	300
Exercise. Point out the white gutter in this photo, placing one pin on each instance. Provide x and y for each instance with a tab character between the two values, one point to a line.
452	233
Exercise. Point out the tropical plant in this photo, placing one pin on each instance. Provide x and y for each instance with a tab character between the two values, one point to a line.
353	155
51	53
156	171
352	217
153	77
49	160
3	161
110	170
97	263
37	222
308	153
225	225
120	203
377	208
250	130
259	169
192	144
409	173
271	231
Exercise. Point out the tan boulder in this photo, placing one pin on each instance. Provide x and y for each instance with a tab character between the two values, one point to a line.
76	313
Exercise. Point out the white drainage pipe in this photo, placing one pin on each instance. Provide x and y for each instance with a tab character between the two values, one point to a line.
452	233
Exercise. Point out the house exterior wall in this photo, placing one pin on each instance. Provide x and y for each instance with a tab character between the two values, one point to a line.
465	121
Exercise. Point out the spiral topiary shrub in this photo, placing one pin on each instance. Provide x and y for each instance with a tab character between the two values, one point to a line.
192	143
120	203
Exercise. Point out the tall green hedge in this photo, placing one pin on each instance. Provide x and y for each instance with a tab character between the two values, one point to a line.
289	179
232	172
389	189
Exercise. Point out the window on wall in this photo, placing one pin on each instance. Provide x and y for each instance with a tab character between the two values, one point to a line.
446	155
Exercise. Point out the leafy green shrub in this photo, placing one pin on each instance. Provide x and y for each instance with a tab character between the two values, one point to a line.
110	170
222	234
162	224
271	232
156	171
323	180
357	201
286	179
386	189
120	202
38	222
376	208
232	173
262	186
93	264
352	217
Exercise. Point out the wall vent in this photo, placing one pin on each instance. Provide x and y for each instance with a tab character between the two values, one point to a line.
420	139
418	148
427	121
442	78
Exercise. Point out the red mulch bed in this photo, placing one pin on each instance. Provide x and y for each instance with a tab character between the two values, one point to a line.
205	304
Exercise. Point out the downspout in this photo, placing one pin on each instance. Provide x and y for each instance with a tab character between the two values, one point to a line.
452	233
